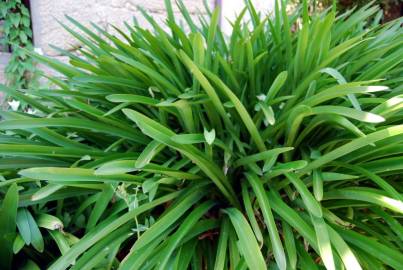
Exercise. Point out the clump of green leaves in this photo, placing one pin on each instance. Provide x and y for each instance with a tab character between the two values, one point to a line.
277	147
17	35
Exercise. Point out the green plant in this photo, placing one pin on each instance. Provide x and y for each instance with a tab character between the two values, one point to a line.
17	35
278	147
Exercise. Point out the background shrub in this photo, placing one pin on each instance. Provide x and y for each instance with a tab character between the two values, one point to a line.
392	9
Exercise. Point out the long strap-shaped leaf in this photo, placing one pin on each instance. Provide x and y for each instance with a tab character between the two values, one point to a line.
42	150
163	135
45	133
100	206
171	216
125	166
71	122
264	204
105	228
273	153
323	239
54	174
247	242
8	217
309	200
221	259
184	229
386	254
243	113
340	91
207	87
346	255
354	145
292	217
392	192
362	194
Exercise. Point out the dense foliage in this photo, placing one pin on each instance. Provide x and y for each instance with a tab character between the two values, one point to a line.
18	36
277	147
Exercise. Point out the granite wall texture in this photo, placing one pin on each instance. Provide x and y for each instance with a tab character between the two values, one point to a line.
48	13
3	62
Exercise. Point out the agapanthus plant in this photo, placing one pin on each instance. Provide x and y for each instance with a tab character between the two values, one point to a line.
279	146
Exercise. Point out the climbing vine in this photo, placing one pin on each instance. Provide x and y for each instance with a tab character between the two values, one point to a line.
18	36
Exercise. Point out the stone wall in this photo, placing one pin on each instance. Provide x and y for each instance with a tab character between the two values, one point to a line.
47	16
3	62
47	13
